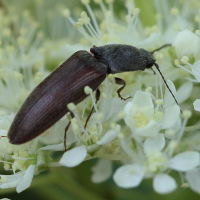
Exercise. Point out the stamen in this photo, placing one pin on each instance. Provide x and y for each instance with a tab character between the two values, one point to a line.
192	128
72	108
148	89
169	133
94	20
139	81
186	114
174	11
110	4
197	32
88	90
177	63
184	60
156	80
132	21
78	26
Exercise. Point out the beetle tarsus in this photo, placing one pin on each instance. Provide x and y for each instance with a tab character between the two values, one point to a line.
124	99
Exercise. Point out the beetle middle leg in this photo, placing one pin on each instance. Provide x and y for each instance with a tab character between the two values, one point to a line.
120	81
97	99
66	129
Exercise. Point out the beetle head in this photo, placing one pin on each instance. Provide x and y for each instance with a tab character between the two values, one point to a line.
95	51
148	58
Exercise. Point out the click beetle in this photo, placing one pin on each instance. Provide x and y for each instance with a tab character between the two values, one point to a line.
47	103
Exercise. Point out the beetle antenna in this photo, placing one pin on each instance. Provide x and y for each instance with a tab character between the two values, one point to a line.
156	65
158	49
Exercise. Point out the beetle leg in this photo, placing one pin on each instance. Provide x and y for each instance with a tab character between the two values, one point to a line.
120	81
97	99
66	129
153	71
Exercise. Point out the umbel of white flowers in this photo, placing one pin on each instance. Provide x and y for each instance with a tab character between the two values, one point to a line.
149	143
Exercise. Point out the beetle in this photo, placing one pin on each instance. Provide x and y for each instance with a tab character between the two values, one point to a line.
47	103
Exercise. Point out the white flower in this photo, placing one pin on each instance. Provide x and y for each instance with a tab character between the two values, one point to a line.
109	136
186	43
75	156
197	105
196	70
146	121
193	178
156	163
21	180
140	116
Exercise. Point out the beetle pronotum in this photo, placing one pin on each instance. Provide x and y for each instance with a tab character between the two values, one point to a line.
47	103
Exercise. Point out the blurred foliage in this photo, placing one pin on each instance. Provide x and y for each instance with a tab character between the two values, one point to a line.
75	184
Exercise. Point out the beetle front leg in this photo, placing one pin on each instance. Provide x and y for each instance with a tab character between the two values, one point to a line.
153	71
120	81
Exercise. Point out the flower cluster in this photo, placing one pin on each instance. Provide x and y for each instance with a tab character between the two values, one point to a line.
147	134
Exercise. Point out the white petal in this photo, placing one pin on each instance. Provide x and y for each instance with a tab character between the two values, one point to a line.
185	161
193	178
176	127
196	70
197	105
73	157
27	179
184	92
101	171
116	106
128	176
143	99
164	184
12	180
154	143
168	99
128	107
109	136
170	116
186	43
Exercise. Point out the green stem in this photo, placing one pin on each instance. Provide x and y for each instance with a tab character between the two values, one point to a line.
108	156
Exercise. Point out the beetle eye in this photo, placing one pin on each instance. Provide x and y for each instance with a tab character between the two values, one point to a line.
91	50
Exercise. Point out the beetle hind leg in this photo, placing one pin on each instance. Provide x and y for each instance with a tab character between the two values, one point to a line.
120	81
